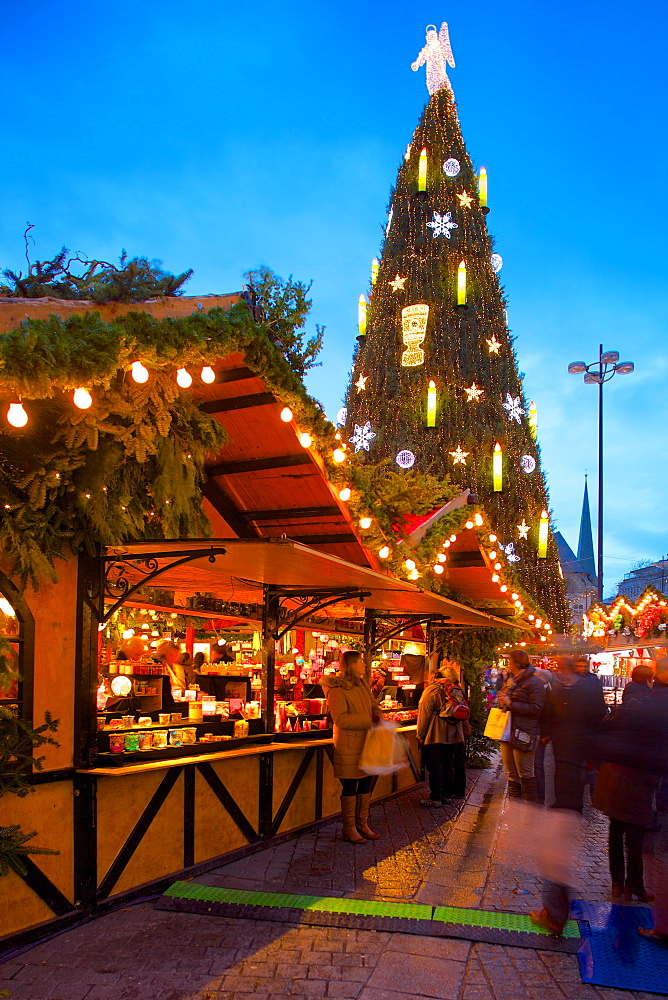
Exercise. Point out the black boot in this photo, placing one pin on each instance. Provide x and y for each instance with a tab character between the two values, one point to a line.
514	789
529	790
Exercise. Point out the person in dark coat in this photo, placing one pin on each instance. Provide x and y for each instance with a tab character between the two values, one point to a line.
658	704
640	685
443	741
574	712
524	696
634	755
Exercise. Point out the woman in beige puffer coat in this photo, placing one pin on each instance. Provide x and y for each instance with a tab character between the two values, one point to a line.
353	710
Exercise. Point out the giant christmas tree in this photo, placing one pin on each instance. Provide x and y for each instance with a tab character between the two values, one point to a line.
435	384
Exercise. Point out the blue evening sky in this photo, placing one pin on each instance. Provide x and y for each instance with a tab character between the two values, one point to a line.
220	137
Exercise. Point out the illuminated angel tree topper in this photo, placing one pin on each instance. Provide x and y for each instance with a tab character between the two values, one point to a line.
465	349
436	53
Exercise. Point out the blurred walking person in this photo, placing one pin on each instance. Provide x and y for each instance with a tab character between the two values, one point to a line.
523	695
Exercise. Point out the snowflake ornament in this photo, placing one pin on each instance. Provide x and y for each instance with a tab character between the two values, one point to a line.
362	437
509	550
442	224
496	260
459	456
398	284
523	529
451	167
473	393
405	459
514	408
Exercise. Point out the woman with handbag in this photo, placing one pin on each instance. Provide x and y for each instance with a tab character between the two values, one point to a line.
354	711
523	695
442	738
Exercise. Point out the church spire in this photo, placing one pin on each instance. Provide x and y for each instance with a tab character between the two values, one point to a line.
586	542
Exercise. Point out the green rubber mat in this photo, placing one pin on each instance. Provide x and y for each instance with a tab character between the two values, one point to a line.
519	922
513	929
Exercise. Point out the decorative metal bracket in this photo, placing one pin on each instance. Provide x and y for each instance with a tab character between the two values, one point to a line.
309	602
117	584
394	625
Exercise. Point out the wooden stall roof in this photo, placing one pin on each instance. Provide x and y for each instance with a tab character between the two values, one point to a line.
469	571
264	483
248	564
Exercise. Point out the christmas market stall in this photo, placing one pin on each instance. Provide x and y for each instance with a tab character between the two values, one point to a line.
130	437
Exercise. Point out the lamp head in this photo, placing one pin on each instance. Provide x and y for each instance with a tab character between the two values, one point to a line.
576	367
624	368
610	357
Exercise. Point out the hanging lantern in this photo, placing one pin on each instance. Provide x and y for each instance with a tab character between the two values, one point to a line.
139	373
461	284
533	418
208	375
184	378
361	316
422	171
82	398
375	266
543	529
431	404
16	415
497	468
482	188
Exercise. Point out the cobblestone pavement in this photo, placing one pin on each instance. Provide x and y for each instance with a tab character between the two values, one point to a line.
452	857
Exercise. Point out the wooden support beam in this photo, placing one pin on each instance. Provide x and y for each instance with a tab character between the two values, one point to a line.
227	509
234	375
290	514
323	539
464	560
258	464
237	402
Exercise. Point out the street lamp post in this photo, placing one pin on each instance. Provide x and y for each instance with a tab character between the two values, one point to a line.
597	373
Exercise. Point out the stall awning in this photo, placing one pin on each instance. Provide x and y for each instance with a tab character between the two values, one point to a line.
247	565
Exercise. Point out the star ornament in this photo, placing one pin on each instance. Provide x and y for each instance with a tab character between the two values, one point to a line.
514	408
473	393
398	284
493	345
465	199
361	383
362	437
523	529
459	457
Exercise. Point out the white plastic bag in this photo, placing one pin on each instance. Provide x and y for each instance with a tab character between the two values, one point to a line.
384	751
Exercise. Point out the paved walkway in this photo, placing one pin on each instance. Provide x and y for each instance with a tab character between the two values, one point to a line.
443	856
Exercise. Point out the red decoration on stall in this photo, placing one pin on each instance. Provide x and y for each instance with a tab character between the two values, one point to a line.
190	638
300	640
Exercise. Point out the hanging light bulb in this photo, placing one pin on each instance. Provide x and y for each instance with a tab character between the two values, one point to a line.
16	415
305	439
410	564
438	568
139	373
413	575
184	378
286	414
441	557
478	520
365	522
344	494
339	455
208	375
384	552
82	398
469	525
